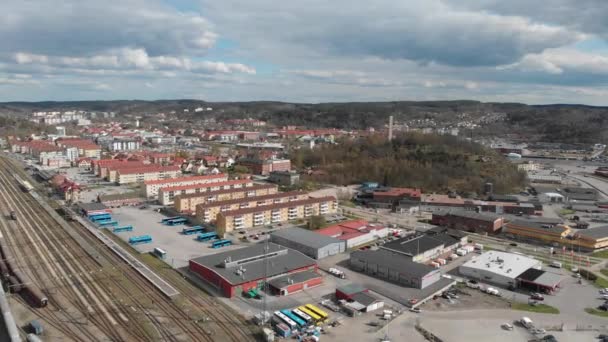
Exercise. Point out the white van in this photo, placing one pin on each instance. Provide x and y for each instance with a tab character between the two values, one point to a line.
526	322
556	264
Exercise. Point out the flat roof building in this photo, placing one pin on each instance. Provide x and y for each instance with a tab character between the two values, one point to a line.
240	270
314	245
593	238
421	248
355	232
543	232
396	268
469	221
499	268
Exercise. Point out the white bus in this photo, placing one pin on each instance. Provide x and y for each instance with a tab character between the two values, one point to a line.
284	319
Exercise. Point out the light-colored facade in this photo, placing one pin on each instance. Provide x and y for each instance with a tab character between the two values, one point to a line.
498	268
208	212
152	187
188	203
308	242
167	195
138	175
276	213
125	145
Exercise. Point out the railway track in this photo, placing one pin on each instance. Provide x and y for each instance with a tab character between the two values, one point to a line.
115	303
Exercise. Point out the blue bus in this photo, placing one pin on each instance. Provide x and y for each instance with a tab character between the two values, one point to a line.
167	219
177	221
193	230
294	318
221	243
207	236
100	217
136	240
107	223
122	229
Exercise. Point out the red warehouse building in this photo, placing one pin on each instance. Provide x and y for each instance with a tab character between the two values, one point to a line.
237	271
469	221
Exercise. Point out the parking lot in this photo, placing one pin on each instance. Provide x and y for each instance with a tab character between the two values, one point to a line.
180	248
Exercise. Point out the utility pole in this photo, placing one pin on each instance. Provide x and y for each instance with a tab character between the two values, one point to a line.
390	128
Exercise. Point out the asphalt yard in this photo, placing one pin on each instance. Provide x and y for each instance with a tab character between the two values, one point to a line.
180	248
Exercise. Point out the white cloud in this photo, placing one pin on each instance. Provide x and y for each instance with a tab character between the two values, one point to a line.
128	59
88	27
559	61
27	58
425	31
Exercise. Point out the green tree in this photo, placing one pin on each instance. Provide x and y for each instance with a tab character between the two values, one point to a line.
316	222
240	169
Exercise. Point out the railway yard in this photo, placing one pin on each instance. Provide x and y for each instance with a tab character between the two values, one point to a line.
81	291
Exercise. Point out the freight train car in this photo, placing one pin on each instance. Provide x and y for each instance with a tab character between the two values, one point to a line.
18	282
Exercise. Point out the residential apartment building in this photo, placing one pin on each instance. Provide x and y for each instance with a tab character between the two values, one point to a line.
208	212
264	167
166	195
275	213
152	187
100	167
111	172
188	203
124	145
86	148
148	172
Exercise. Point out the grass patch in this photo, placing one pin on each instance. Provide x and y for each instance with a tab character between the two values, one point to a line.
540	308
564	212
601	254
596	312
601	282
347	204
604	272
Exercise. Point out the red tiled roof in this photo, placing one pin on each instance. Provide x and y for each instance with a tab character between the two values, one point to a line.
278	206
184	179
250	199
227	191
206	185
146	169
349	229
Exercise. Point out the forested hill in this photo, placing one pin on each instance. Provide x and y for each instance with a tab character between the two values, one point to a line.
560	122
432	162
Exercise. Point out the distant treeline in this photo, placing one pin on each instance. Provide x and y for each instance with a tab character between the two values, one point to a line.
431	162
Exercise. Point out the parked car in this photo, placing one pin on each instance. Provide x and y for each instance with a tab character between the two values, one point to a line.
574	269
415	310
507	326
537	296
513	244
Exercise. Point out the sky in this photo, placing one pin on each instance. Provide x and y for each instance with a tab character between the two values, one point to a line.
536	52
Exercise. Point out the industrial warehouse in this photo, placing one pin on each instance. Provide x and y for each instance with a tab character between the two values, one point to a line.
238	271
510	271
394	267
314	245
